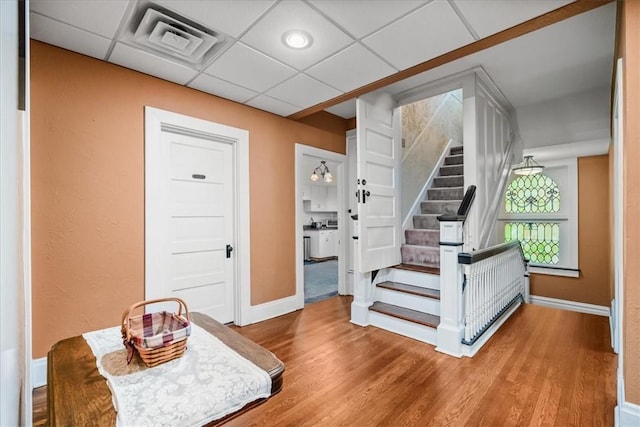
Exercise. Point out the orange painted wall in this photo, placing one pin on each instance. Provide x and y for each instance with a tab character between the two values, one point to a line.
87	166
593	286
629	49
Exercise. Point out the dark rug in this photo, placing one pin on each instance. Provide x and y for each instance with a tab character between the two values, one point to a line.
320	280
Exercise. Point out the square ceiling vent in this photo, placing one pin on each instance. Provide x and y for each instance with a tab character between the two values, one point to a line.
164	33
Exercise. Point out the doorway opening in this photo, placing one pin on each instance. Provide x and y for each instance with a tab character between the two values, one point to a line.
320	232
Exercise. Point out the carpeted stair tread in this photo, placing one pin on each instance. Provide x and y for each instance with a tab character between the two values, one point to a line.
421	255
410	289
446	193
439	206
424	237
426	221
451	170
406	314
455	159
448	181
459	149
418	268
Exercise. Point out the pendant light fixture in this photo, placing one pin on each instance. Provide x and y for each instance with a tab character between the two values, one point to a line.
323	170
528	167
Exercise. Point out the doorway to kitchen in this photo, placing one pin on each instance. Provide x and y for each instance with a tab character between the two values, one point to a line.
320	219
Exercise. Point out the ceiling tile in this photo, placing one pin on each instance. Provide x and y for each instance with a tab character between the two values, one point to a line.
246	67
485	21
65	36
346	109
361	18
272	105
139	60
424	34
98	16
303	91
350	69
221	88
266	35
231	17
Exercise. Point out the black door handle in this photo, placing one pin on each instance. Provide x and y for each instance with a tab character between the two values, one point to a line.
229	250
365	194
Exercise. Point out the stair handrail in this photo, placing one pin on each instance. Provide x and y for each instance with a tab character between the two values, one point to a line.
488	222
463	209
468	258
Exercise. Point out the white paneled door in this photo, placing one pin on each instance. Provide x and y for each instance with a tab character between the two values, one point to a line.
378	183
193	223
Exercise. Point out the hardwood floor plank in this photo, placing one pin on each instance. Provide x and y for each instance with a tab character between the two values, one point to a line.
544	367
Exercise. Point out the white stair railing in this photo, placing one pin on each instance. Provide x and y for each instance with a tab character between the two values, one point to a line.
495	279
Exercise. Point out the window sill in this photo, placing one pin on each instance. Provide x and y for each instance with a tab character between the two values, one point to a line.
555	271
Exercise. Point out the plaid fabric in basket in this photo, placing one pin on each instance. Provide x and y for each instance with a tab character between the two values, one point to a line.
153	330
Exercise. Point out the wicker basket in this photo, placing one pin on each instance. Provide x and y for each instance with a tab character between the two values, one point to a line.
157	337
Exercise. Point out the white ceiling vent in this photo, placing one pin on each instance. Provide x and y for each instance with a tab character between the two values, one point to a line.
173	37
163	32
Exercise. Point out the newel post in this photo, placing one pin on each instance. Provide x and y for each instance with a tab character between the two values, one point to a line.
451	329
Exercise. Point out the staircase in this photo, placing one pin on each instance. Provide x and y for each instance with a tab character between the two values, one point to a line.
407	296
423	241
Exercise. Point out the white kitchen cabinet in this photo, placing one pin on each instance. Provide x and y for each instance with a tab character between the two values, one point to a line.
306	192
322	243
324	198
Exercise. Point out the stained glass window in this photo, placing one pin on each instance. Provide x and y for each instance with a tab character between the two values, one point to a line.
540	240
532	194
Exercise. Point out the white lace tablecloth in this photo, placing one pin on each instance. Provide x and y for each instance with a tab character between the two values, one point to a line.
208	382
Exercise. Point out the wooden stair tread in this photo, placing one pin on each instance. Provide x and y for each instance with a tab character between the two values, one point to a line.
407	314
418	268
411	289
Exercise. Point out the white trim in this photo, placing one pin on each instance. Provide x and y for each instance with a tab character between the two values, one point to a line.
627	414
422	195
300	174
593	147
581	307
155	121
272	309
471	350
38	372
554	271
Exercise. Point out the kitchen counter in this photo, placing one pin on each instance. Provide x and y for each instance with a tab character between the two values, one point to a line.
310	228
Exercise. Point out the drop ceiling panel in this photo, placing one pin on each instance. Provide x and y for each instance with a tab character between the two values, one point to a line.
266	35
352	68
272	105
150	64
346	109
232	17
491	16
97	16
424	34
65	36
215	86
245	67
303	91
361	18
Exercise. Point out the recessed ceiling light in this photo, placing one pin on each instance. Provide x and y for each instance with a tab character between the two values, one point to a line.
297	39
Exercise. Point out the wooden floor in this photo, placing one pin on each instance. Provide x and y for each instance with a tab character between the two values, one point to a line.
543	367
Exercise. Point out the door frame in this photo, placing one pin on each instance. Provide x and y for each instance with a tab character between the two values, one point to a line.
302	151
157	120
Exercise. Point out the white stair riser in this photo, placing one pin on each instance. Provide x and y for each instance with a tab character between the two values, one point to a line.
402	327
424	280
413	302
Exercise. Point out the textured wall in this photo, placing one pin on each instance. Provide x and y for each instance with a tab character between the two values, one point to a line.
427	126
87	142
594	238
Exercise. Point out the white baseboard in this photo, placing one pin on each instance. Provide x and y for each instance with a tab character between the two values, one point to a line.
627	415
581	307
38	372
273	309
